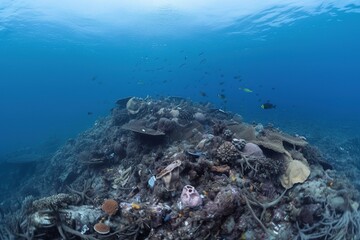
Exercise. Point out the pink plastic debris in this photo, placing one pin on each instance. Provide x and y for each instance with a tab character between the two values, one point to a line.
190	197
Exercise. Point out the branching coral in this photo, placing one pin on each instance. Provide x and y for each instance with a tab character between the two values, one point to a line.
84	192
251	200
264	206
28	233
332	227
248	163
5	233
123	179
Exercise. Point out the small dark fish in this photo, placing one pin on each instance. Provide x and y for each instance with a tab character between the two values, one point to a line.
203	94
94	78
181	65
203	61
268	105
200	54
272	88
237	77
221	83
221	75
89	113
222	96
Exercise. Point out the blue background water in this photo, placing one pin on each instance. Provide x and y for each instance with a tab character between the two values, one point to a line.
56	68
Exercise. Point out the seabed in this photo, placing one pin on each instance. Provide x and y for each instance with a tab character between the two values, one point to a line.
171	168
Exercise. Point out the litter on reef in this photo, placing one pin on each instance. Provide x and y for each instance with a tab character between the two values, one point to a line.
84	229
195	154
175	169
151	181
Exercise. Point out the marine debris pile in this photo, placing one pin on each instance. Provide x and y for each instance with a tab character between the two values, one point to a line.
175	169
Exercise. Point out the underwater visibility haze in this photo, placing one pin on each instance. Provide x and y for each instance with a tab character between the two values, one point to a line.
288	66
62	60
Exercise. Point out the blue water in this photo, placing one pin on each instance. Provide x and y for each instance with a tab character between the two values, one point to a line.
60	61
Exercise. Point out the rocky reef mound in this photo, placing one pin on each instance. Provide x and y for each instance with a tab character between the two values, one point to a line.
174	169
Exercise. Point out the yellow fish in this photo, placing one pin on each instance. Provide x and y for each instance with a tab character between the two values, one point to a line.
246	90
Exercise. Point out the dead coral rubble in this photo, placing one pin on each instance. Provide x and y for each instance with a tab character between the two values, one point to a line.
174	169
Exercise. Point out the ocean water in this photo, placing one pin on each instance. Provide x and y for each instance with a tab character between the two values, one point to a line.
64	64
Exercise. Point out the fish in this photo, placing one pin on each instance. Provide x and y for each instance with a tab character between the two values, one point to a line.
221	96
268	105
203	94
89	113
202	61
246	90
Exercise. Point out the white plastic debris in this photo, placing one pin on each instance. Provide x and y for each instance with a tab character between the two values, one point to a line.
84	229
152	181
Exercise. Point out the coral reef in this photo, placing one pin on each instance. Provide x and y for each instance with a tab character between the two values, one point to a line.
110	207
174	169
190	197
296	172
227	152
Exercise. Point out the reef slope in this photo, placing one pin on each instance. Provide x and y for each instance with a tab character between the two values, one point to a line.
174	169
